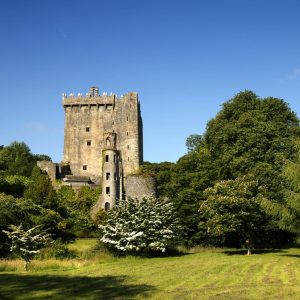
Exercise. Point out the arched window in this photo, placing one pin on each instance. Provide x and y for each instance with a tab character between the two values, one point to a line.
107	142
107	206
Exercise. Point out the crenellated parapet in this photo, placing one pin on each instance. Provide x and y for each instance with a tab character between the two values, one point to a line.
104	102
88	100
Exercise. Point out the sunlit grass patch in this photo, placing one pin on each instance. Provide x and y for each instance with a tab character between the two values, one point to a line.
82	245
200	273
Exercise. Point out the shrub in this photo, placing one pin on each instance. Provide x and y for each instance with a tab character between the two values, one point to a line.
141	227
57	250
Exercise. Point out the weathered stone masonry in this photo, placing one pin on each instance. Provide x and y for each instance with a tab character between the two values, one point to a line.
88	120
103	145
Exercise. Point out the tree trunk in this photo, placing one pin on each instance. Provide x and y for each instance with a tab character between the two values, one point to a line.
25	265
248	244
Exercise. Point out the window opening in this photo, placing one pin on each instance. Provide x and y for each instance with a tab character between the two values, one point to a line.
106	158
88	143
87	129
84	167
107	176
107	190
106	206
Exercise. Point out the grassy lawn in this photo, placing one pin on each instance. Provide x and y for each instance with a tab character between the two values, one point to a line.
204	274
82	245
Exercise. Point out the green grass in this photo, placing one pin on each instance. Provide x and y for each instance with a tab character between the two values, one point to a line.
82	245
203	274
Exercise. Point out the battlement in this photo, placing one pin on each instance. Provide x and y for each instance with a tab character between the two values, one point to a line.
88	100
93	98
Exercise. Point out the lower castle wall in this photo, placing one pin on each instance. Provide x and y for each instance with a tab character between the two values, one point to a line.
49	167
140	186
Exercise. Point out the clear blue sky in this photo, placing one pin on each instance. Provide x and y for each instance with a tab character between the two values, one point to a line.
184	58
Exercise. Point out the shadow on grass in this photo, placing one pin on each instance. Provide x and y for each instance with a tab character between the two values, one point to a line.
14	286
253	251
291	255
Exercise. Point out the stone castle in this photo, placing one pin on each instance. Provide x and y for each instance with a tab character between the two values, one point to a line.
103	145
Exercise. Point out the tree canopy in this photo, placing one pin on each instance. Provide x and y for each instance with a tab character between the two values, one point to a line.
250	136
17	159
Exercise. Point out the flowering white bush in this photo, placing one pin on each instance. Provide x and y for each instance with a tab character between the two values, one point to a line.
27	243
140	226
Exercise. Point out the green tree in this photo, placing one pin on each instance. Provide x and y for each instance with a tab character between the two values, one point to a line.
78	205
190	176
287	212
248	131
41	191
232	213
17	159
86	198
249	135
14	185
21	211
8	215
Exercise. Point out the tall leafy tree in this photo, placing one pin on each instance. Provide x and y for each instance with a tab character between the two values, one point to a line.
255	136
250	135
41	191
17	159
288	211
78	209
14	185
232	213
250	130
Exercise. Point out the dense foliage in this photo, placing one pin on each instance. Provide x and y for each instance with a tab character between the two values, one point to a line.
77	207
142	226
17	159
232	212
31	200
250	136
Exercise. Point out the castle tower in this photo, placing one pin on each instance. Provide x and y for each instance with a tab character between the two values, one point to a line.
100	127
110	170
103	145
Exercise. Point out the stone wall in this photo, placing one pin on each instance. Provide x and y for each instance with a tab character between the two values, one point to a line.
88	118
49	167
140	186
